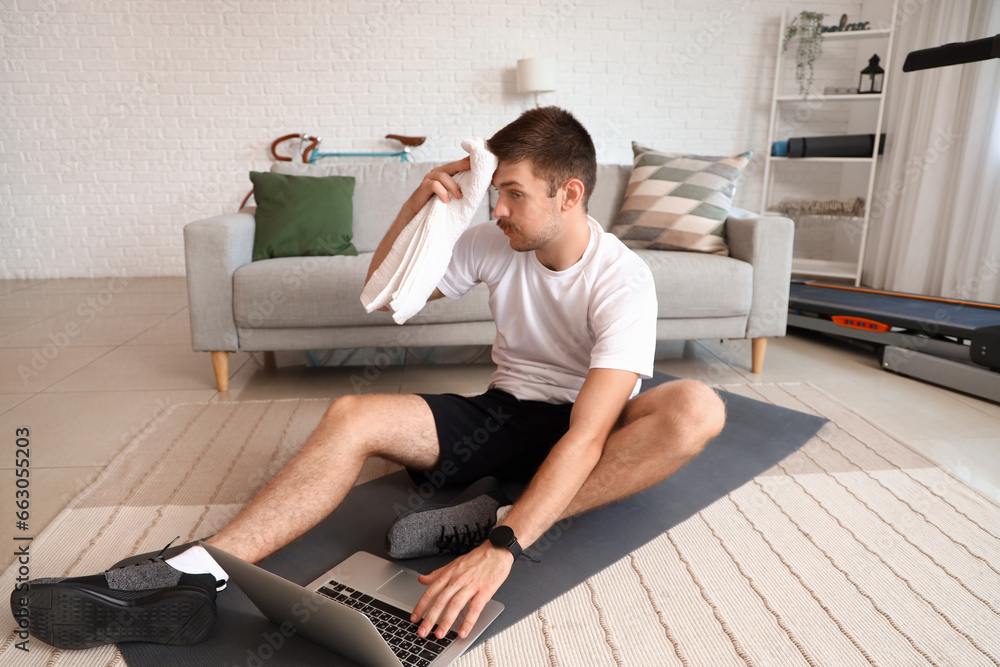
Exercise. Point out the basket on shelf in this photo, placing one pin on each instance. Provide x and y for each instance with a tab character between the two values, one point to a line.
825	229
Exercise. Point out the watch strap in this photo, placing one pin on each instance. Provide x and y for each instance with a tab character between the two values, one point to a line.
514	548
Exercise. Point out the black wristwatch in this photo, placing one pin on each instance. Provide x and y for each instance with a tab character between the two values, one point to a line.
503	538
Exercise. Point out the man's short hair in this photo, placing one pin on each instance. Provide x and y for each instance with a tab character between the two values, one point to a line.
555	143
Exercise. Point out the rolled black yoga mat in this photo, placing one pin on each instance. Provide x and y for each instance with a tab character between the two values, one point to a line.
757	436
848	145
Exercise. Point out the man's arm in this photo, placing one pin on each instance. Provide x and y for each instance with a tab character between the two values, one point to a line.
560	477
476	576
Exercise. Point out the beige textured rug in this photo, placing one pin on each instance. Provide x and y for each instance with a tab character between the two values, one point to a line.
853	551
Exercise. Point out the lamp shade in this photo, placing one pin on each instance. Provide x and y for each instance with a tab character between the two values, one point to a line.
536	75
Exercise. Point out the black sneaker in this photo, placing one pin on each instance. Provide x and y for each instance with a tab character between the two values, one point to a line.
456	527
146	601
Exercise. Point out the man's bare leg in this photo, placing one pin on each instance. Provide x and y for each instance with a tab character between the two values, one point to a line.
399	427
659	431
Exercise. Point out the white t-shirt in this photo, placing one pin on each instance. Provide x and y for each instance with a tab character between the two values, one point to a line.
554	326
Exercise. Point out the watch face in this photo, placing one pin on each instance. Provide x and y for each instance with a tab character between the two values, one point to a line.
502	536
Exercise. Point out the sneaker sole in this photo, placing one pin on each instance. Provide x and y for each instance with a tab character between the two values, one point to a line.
73	617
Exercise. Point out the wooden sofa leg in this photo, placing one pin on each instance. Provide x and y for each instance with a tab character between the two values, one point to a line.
270	363
758	348
220	362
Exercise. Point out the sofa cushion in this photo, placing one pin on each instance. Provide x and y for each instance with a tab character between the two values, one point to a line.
380	188
678	202
301	215
325	292
696	285
609	193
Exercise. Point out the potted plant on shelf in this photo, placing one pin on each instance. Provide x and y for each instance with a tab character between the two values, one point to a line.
808	27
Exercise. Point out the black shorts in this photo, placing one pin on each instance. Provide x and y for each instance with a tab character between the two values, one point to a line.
493	434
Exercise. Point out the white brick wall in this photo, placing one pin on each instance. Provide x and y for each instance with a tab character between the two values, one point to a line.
122	121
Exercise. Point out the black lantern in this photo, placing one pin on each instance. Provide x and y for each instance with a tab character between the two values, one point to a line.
871	77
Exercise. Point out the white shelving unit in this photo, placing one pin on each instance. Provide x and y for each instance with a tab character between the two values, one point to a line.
851	175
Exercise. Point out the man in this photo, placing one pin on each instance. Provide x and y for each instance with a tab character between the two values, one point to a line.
575	312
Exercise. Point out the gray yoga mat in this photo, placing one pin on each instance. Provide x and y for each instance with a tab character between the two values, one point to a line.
757	436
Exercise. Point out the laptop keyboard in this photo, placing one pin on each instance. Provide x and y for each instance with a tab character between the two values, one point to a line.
394	625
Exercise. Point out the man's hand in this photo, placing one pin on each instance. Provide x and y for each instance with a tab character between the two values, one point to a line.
438	182
470	579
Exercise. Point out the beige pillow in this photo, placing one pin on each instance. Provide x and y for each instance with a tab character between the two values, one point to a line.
678	202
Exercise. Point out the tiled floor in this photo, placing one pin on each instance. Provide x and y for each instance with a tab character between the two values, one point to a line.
87	364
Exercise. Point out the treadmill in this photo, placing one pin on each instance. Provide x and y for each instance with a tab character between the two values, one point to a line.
947	342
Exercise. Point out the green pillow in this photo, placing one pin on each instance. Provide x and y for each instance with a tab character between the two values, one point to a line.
302	215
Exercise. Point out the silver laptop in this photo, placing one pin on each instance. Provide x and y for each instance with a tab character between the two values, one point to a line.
359	609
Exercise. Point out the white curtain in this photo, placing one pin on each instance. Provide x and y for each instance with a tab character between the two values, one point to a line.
936	208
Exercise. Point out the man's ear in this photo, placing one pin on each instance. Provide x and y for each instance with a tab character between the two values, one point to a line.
573	193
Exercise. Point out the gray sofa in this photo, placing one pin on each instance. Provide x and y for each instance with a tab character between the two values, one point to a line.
312	303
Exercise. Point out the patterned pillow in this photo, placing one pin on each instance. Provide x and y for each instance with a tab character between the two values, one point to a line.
678	202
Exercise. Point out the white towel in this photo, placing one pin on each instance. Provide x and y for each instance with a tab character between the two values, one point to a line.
420	254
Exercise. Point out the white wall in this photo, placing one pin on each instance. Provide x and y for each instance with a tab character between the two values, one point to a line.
121	121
